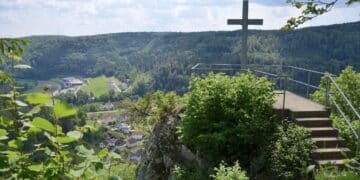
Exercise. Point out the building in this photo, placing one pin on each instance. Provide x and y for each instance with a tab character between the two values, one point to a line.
107	106
135	155
123	86
125	128
131	143
71	81
137	135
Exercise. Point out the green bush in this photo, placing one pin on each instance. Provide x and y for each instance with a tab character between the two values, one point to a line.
228	117
349	83
291	152
331	172
229	173
346	133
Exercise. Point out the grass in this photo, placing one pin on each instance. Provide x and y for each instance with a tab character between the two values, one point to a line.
98	86
39	86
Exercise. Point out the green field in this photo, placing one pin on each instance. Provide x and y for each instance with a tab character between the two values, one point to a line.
98	86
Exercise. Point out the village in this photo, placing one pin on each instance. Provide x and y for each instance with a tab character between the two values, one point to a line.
126	140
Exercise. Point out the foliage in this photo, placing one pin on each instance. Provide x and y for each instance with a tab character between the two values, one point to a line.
225	114
185	172
12	49
166	58
291	154
332	172
178	173
310	10
149	109
127	171
34	145
349	83
229	173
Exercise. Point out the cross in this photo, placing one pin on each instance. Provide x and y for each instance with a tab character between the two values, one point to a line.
245	21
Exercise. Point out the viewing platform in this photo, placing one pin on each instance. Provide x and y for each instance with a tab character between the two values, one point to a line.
316	118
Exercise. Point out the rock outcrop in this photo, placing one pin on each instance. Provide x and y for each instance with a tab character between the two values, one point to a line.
163	151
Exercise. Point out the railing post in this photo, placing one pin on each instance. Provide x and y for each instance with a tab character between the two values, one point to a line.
308	82
284	94
327	90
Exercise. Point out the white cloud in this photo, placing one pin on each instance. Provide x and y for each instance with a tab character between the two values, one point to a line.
83	17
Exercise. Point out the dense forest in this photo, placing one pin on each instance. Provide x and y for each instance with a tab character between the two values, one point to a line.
165	58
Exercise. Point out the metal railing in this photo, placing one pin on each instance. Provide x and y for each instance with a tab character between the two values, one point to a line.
283	74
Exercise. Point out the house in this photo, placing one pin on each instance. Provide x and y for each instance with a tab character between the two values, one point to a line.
123	86
102	145
135	155
125	128
137	135
71	81
108	106
131	143
111	141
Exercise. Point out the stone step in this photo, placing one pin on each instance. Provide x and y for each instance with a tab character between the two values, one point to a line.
329	153
314	121
340	163
328	142
304	114
323	132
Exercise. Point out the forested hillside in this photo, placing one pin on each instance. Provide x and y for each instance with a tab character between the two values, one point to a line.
167	57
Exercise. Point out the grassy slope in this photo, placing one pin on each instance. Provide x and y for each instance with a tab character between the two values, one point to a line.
98	86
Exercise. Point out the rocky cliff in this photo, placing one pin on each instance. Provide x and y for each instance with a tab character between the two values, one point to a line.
163	151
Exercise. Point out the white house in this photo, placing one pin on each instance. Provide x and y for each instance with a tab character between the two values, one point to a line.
137	135
125	128
71	81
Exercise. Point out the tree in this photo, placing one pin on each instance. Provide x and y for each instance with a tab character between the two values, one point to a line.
225	115
311	9
33	143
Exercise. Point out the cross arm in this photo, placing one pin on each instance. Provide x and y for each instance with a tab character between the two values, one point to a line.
241	22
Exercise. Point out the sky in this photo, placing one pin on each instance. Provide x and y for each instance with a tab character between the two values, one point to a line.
87	17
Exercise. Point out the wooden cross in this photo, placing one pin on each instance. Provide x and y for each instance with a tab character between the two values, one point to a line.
245	21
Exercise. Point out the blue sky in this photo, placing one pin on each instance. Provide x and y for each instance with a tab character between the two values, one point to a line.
87	17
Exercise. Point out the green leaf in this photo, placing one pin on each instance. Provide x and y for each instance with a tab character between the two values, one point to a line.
36	168
114	155
20	103
75	134
3	134
310	169
22	66
50	137
83	151
63	109
43	124
103	153
65	139
38	98
33	111
298	5
15	144
77	173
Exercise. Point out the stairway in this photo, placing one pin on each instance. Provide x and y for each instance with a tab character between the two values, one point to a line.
304	112
330	147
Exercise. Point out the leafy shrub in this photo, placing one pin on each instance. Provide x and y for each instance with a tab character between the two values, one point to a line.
229	173
331	172
185	172
228	117
346	133
291	152
349	83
